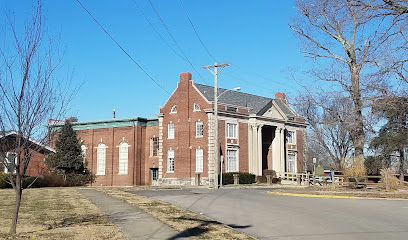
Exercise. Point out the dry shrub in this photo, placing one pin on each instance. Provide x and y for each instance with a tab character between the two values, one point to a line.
393	181
357	170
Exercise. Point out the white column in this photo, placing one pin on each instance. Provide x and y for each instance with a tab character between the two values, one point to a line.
258	170
282	149
276	147
254	147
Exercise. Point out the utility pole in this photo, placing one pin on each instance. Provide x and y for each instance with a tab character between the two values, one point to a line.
215	73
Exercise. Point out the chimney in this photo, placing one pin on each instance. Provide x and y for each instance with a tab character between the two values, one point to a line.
185	77
71	119
281	96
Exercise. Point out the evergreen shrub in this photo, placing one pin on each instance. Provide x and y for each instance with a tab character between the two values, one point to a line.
3	181
244	178
68	160
34	182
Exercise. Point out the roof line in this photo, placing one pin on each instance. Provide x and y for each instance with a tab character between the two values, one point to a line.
30	139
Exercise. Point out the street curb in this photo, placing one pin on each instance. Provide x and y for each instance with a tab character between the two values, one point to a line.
311	195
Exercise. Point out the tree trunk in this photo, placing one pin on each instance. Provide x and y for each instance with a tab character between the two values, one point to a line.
401	170
19	191
358	135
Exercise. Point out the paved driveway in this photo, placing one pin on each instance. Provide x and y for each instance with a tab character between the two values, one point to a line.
267	216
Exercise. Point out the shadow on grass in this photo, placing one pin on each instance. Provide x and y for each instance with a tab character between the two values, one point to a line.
78	220
202	228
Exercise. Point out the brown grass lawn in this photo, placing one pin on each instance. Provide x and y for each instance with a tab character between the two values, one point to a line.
55	213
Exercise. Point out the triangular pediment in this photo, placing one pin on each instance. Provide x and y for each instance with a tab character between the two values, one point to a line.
274	112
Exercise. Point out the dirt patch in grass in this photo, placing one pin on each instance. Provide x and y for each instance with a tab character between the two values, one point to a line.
190	224
55	213
346	191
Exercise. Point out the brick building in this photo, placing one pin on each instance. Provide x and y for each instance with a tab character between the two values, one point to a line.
118	151
255	133
9	152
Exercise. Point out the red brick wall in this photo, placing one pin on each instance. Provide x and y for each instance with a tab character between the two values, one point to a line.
299	155
136	137
185	142
148	161
37	165
242	142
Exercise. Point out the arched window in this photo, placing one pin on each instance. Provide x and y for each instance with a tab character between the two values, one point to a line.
101	159
196	107
83	149
123	157
174	109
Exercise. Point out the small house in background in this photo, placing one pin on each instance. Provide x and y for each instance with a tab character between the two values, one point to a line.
255	133
38	152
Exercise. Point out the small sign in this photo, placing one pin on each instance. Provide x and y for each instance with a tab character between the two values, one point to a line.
319	170
314	160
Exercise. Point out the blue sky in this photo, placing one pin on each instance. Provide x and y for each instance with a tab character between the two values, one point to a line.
253	36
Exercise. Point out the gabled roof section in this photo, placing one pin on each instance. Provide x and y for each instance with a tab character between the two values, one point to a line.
253	102
109	123
288	111
11	134
257	104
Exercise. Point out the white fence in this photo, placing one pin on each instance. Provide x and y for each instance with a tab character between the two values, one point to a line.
319	180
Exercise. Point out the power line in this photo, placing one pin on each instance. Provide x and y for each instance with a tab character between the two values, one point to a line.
250	83
175	41
266	78
127	54
154	28
192	25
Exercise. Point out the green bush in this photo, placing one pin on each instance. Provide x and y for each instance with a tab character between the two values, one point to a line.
34	182
28	180
3	181
244	178
58	179
76	179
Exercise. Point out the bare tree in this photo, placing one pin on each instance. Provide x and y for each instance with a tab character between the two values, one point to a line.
329	128
348	42
394	13
29	95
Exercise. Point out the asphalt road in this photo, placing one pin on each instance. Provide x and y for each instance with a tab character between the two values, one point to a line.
267	216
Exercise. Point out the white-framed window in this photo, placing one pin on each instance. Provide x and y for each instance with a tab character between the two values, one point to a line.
101	159
232	161
173	109
170	161
170	132
196	107
232	130
291	137
199	160
9	167
292	163
83	151
199	129
123	157
154	147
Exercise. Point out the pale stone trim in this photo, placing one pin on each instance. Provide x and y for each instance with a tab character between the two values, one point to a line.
160	151
211	149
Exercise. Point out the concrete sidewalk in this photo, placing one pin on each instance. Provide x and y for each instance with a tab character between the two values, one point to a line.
132	221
